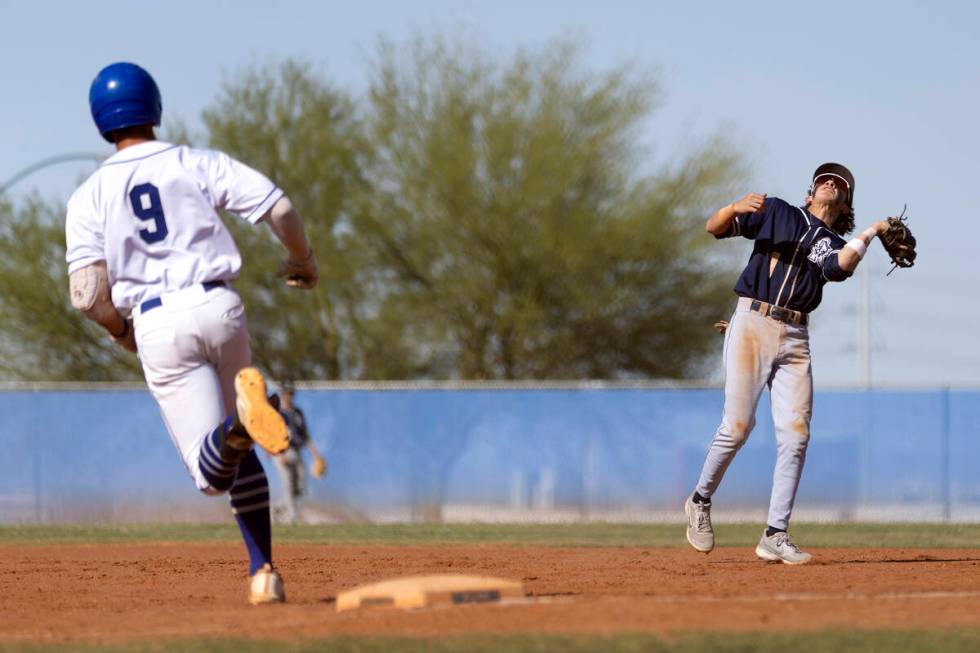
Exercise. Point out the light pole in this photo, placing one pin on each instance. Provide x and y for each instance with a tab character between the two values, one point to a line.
864	326
50	161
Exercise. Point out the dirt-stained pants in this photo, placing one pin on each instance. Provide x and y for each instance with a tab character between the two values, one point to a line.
761	351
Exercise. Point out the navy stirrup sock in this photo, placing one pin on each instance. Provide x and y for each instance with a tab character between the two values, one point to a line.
228	467
218	460
250	504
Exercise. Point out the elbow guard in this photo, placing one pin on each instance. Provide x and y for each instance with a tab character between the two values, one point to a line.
89	290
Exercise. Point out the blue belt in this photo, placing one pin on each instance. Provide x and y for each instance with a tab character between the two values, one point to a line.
150	304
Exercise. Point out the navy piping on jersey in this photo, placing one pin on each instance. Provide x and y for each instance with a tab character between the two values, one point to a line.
252	212
139	158
816	231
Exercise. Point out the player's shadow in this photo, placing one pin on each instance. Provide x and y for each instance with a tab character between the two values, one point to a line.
818	562
900	561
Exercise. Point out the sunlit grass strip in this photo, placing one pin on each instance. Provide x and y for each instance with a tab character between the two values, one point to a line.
867	641
585	534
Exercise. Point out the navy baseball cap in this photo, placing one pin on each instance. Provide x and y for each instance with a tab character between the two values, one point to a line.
839	171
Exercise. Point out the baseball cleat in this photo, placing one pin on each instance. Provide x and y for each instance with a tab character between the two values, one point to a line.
261	420
699	532
266	587
779	548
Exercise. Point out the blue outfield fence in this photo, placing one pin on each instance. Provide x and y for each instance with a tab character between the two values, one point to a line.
507	454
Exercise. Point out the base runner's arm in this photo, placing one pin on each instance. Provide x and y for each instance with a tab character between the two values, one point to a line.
89	290
299	269
287	226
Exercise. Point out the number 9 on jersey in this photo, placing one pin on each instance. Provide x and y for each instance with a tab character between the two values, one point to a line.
147	206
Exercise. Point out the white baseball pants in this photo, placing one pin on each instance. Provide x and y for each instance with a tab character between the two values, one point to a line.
191	347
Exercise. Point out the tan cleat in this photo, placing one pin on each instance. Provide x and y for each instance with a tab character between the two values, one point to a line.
700	534
261	420
266	587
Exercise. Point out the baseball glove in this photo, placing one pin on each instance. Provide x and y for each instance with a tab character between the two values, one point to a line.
899	242
318	468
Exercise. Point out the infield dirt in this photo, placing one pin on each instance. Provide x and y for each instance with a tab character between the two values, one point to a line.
153	591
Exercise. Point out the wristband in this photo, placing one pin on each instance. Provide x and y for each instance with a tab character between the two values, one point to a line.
858	246
125	331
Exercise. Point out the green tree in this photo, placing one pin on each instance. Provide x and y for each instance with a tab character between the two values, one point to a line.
512	230
41	336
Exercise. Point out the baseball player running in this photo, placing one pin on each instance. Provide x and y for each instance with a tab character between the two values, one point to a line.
797	250
150	260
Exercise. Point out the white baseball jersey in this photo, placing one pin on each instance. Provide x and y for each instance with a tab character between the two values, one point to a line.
150	212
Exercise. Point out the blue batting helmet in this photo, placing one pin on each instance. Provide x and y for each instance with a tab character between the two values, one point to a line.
124	95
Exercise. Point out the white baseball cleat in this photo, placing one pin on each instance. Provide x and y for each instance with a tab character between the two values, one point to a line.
699	532
261	420
779	548
266	587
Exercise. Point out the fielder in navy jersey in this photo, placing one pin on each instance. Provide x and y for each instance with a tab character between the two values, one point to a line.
292	470
796	251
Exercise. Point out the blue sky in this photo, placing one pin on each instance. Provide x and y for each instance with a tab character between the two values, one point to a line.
889	90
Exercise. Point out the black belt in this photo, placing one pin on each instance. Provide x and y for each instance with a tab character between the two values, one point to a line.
779	313
150	304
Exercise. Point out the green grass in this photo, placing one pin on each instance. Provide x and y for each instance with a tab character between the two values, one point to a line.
916	641
586	534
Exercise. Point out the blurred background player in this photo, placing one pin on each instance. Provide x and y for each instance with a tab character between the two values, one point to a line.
292	470
796	251
150	260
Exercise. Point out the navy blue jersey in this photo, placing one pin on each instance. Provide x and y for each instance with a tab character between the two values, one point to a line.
807	253
296	422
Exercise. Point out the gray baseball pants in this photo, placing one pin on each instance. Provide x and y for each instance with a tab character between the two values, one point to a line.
761	351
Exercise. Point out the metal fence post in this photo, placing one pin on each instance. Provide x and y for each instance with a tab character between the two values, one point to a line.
944	454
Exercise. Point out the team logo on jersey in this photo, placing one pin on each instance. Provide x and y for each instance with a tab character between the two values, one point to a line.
820	250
